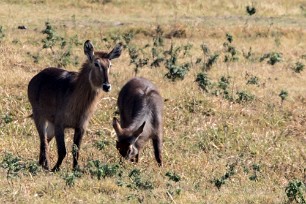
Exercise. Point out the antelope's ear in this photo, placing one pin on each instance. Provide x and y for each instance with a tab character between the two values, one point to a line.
89	50
117	127
116	52
139	130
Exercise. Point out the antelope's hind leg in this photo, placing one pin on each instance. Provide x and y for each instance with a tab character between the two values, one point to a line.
61	147
41	126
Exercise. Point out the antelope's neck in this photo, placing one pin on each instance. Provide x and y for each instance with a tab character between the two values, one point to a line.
84	98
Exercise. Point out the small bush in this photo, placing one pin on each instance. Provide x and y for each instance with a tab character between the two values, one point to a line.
244	96
229	37
224	84
211	60
175	70
71	177
2	35
283	95
273	58
294	191
7	118
230	53
96	168
203	81
100	145
251	10
298	67
33	168
221	181
157	49
256	169
254	80
173	176
176	33
137	58
137	182
51	37
205	49
12	164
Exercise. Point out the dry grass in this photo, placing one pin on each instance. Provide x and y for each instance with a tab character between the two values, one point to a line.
204	135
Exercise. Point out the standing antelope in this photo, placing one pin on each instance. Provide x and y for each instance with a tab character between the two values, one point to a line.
61	99
140	108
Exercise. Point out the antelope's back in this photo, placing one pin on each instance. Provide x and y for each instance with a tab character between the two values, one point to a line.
48	89
139	95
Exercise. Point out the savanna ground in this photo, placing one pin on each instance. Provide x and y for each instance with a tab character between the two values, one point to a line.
234	90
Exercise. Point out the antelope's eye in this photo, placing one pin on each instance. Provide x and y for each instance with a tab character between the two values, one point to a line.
96	64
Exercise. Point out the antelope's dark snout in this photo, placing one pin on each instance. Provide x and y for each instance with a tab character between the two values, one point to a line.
106	87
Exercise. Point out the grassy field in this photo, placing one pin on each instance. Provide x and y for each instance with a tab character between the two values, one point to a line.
234	86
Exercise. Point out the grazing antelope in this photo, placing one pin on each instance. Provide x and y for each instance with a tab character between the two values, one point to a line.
62	99
140	108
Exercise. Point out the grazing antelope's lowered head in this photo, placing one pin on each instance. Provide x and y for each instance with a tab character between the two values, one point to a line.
141	108
101	63
127	140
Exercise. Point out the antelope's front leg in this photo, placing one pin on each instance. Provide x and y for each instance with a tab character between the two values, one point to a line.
77	140
157	145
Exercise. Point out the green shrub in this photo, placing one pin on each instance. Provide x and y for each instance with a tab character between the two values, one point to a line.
203	81
283	95
273	58
173	176
244	96
298	67
137	182
12	164
96	168
254	80
251	10
218	182
294	191
2	35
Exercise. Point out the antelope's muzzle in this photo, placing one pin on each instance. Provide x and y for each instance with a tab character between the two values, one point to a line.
106	87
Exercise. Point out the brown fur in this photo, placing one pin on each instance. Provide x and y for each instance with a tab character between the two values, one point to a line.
61	99
140	107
